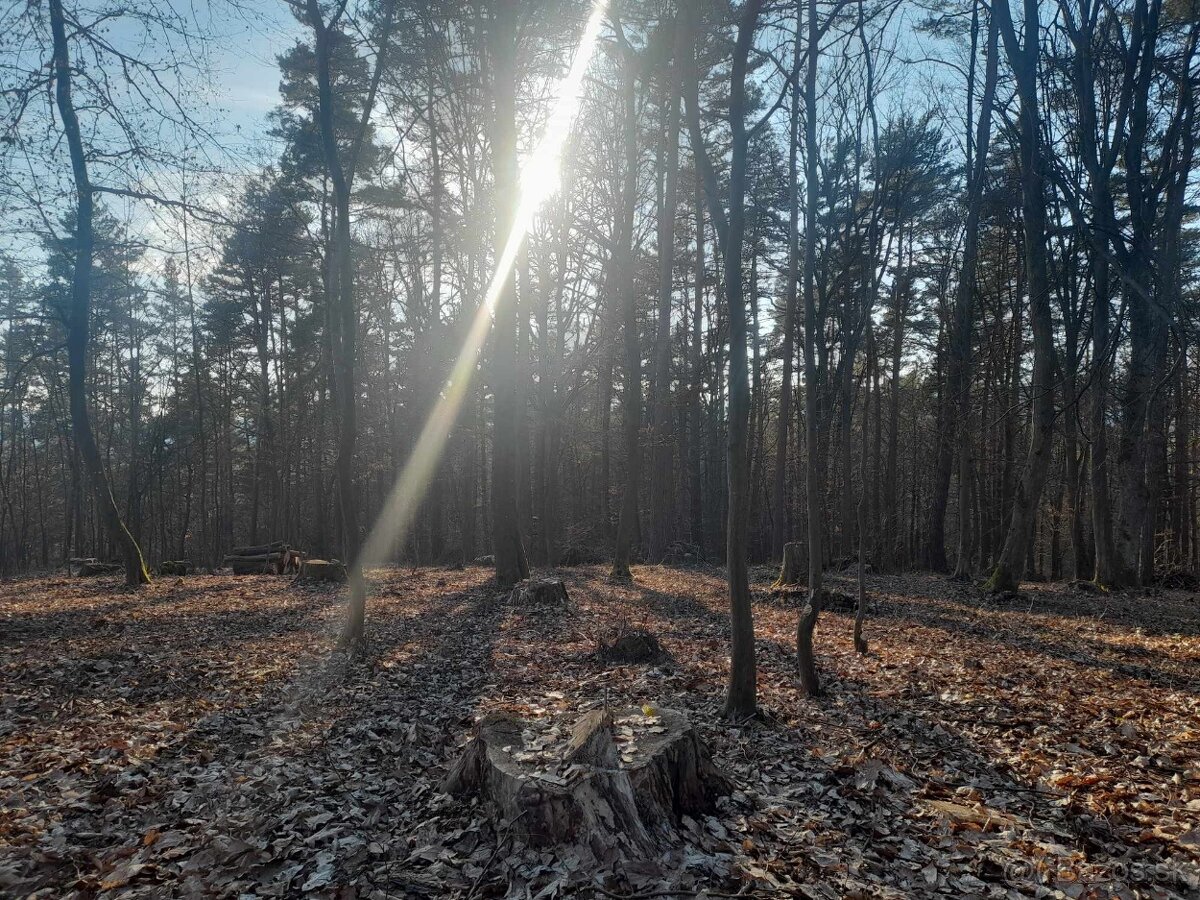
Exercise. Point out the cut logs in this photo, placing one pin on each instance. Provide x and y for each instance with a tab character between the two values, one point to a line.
90	567
793	575
276	558
620	780
539	592
323	570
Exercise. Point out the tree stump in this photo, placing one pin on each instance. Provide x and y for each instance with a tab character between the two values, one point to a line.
322	570
617	781
839	602
680	553
794	572
539	592
631	645
175	567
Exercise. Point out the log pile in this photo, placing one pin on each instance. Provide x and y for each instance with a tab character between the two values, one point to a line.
619	780
89	567
276	558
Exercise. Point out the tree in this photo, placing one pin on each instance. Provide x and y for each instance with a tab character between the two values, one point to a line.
1023	58
954	439
621	276
341	165
79	312
507	544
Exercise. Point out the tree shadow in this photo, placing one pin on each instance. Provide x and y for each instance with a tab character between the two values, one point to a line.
944	743
1019	632
311	739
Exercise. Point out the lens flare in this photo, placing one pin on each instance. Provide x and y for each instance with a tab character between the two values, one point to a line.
537	184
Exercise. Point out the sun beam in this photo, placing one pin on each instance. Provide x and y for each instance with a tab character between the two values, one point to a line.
539	181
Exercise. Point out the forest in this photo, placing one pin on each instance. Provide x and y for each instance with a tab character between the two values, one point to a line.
601	448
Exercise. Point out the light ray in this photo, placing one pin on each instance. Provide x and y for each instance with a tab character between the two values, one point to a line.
396	517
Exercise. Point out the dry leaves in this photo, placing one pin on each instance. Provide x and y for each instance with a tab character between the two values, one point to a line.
202	738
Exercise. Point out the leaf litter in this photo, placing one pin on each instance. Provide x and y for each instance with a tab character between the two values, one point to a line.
203	738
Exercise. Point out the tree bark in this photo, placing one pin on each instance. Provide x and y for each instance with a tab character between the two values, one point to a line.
810	681
741	697
1024	59
621	272
80	311
341	294
955	441
507	547
663	519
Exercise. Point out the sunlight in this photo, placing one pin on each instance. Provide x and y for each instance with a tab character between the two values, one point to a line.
539	181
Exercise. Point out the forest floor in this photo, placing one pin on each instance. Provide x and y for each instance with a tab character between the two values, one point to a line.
202	738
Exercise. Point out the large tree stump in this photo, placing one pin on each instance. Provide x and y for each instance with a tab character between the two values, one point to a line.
539	592
839	602
323	570
793	574
616	781
631	645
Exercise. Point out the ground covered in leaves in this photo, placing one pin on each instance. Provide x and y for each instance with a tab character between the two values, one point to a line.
203	738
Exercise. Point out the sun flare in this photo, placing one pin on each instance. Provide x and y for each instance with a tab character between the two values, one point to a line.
540	179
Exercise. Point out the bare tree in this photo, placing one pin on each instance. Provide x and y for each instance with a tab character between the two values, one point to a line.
1023	58
341	165
79	315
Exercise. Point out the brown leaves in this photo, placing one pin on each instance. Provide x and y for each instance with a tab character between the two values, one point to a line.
203	738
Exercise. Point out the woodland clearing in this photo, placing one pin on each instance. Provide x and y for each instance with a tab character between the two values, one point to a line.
203	737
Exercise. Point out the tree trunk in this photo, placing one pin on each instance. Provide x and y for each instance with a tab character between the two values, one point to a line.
955	440
341	294
810	682
507	547
781	526
1009	569
621	272
663	520
79	314
741	698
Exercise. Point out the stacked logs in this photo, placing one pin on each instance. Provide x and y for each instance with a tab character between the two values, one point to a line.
89	567
276	558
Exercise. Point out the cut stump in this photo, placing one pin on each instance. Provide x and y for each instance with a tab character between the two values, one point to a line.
539	592
631	645
323	570
175	567
620	780
793	575
839	602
